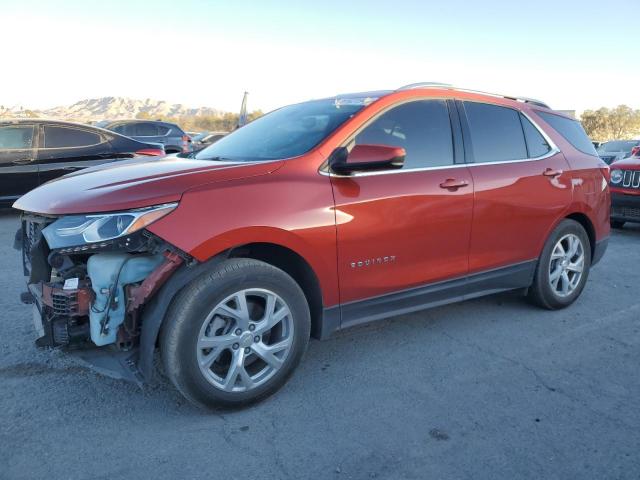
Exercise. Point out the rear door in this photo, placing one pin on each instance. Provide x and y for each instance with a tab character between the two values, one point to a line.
521	185
405	228
18	172
67	148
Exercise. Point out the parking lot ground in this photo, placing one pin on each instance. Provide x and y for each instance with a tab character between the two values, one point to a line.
490	388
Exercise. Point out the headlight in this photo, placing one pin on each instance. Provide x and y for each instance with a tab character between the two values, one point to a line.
75	230
616	176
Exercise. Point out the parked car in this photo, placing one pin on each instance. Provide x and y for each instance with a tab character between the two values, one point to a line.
617	150
311	219
33	152
625	191
207	139
174	139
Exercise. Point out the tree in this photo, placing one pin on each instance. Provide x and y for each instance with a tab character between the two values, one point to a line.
617	123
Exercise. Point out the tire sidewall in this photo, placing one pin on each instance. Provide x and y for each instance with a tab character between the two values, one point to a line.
549	296
191	311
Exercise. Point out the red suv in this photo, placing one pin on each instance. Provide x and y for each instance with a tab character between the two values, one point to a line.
314	218
625	190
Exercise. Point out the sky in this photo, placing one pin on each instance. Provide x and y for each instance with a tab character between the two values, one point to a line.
574	55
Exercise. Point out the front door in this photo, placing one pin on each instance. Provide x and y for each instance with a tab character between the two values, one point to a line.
403	229
18	173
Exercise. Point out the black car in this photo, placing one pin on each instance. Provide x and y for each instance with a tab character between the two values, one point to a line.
174	139
33	152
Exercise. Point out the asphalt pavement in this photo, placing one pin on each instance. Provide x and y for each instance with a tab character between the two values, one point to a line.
492	388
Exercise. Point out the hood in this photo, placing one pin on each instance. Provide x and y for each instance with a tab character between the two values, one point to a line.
632	163
133	183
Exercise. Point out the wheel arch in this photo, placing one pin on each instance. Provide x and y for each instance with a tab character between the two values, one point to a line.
295	266
587	224
274	254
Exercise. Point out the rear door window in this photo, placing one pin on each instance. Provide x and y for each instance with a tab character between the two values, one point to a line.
496	133
422	128
16	137
66	137
146	130
572	132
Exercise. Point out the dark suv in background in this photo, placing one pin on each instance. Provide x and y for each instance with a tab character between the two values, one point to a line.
174	139
33	152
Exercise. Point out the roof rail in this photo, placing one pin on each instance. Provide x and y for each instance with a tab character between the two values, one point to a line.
425	85
448	86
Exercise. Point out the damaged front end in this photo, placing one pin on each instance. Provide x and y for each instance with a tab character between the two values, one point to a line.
89	278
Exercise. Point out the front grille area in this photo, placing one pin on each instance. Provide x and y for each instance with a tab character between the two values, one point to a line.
626	212
31	233
630	179
32	226
64	304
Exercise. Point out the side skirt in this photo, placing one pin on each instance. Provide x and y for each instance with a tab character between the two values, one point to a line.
433	295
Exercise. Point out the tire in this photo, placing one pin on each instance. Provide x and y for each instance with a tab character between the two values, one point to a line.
218	355
543	291
617	223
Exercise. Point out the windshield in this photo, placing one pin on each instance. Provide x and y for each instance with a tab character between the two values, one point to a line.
285	133
618	146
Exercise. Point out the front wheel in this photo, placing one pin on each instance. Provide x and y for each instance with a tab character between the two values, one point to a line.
235	335
563	267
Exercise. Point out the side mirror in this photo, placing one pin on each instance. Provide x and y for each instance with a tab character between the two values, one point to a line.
366	158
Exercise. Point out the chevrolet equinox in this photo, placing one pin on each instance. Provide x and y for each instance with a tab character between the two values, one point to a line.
314	218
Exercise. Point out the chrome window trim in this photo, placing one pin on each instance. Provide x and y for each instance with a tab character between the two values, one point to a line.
554	150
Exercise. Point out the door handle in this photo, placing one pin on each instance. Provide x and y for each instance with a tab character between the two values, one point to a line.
550	172
452	183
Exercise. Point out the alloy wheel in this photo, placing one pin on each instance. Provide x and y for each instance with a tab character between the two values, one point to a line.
567	265
244	340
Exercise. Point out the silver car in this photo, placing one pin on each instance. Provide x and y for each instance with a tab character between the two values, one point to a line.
616	150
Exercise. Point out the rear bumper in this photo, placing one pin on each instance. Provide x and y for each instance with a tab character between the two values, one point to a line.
625	207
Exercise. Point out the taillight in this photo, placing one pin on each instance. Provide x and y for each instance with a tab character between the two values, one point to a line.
151	152
186	140
635	151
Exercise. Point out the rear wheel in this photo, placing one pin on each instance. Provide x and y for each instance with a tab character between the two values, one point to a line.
617	223
235	335
563	267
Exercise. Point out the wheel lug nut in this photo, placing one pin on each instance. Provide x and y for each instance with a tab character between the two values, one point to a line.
256	339
235	346
247	350
238	331
252	327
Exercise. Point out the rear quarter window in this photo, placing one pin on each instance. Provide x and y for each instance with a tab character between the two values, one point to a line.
146	130
572	132
64	137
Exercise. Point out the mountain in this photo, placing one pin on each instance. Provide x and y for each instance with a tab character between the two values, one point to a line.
111	108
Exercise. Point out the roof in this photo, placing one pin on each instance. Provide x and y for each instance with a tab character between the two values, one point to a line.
447	86
42	120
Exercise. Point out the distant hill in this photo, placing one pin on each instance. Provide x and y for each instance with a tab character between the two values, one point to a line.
111	108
